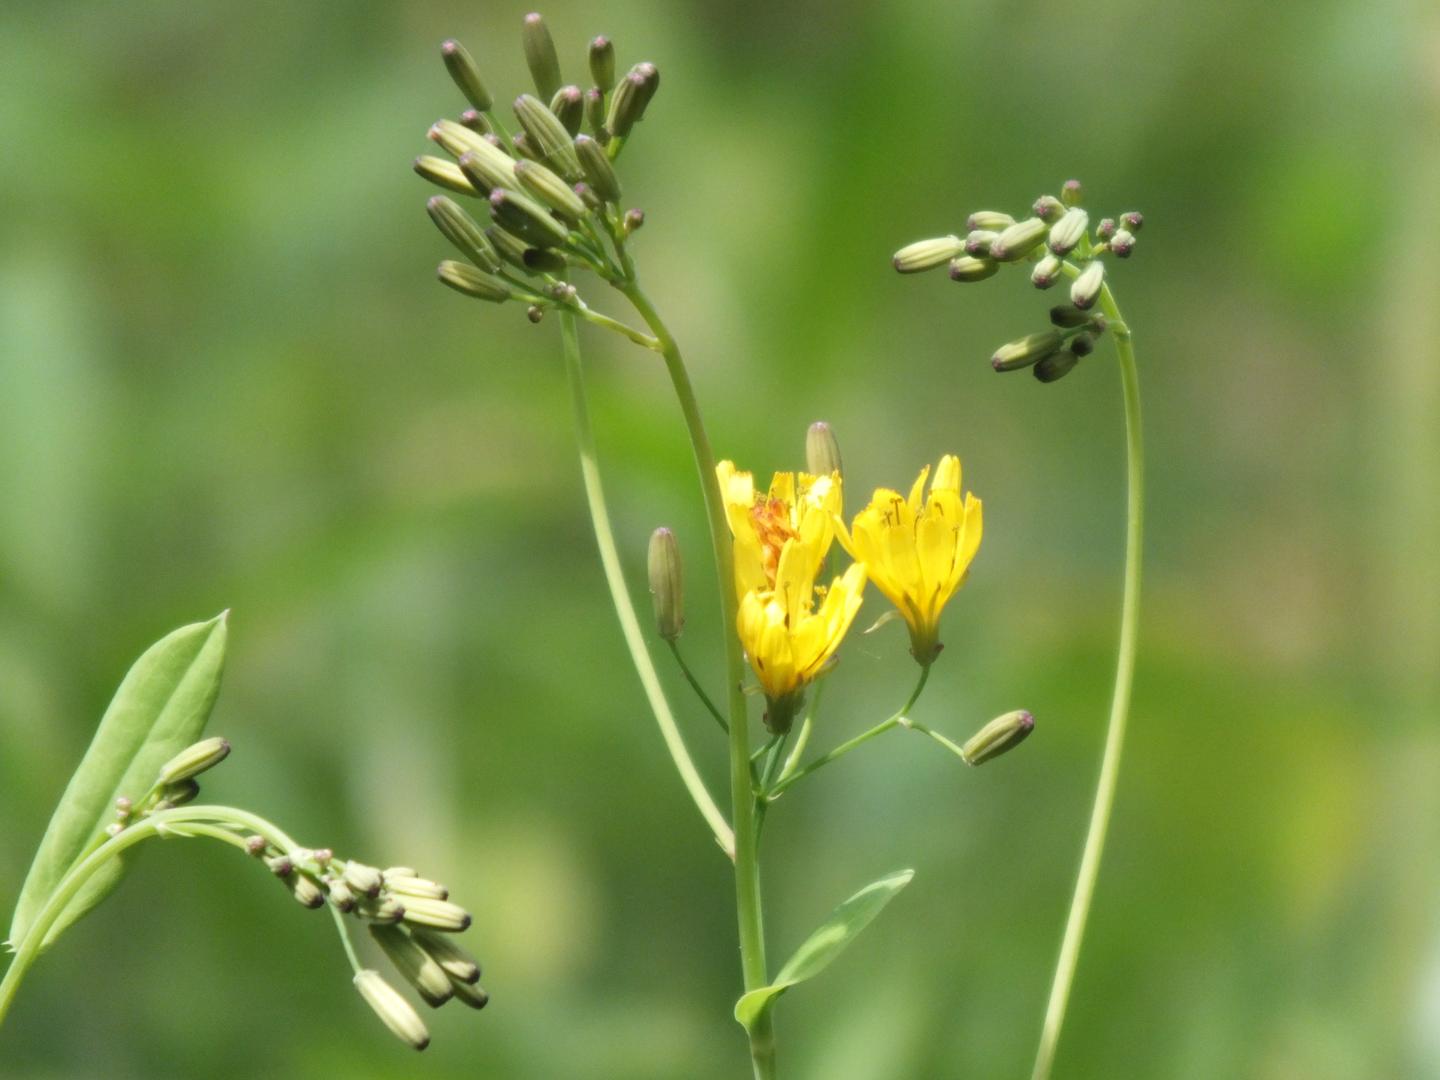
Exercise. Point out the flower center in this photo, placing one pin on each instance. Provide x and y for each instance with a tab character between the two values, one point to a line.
772	526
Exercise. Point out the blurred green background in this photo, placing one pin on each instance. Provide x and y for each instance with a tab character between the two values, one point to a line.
228	379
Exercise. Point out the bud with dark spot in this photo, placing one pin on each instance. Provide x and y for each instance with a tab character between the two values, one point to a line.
1085	288
1018	240
970	268
1046	272
397	1014
999	736
1027	350
1048	208
1122	243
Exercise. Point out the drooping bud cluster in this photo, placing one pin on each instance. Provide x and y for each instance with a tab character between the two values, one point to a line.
549	191
1055	242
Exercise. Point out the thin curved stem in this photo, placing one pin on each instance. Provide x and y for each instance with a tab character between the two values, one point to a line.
620	594
1119	702
695	685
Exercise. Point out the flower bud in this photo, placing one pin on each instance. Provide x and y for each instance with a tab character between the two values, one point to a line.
927	254
633	219
457	139
550	189
464	278
1082	344
595	163
991	220
545	261
255	845
978	241
1106	229
568	105
282	866
595	114
1068	316
667	584
477	122
388	910
509	246
396	1013
1132	220
1027	350
1122	243
365	880
602	62
521	148
822	450
435	914
627	104
194	760
540	55
341	895
466	73
305	890
1055	366
1046	272
1085	288
1048	208
998	736
969	268
124	808
180	792
399	871
1071	193
461	230
415	965
548	137
459	965
1066	233
409	884
526	218
485	171
1018	240
473	996
114	829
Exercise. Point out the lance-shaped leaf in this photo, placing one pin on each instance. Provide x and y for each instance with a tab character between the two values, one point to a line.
824	945
159	710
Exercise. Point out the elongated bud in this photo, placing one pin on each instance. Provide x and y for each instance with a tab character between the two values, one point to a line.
634	218
1072	193
365	880
457	139
667	584
477	122
399	871
540	55
1122	243
1046	272
194	760
445	173
822	450
1085	288
461	230
550	189
390	909
394	1011
521	147
568	105
1048	208
410	884
970	268
466	73
509	246
1018	240
1106	229
282	866
1068	316
1066	233
488	169
595	114
459	965
990	220
473	996
1055	366
597	168
978	241
305	890
627	104
464	278
526	218
548	136
998	736
545	261
1132	220
341	895
435	914
180	792
602	62
1027	350
1082	344
928	254
415	965
651	74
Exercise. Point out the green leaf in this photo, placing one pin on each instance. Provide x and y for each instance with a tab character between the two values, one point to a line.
824	945
159	710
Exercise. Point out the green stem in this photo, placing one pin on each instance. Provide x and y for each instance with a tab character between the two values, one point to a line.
695	685
1119	702
591	315
620	594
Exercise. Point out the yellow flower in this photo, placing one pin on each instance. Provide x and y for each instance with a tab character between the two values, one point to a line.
797	507
918	550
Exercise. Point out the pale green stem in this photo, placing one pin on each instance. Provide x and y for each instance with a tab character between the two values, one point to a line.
620	594
949	744
695	685
593	316
1119	702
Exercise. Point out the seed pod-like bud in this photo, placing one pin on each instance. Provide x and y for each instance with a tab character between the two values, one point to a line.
1046	272
651	74
510	247
455	138
534	313
1122	243
1082	344
633	219
181	792
1055	366
522	149
978	241
1068	316
415	965
459	965
568	105
588	196
305	890
473	996
1048	208
1072	193
488	169
998	736
445	173
436	914
1085	288
1132	220
595	163
602	62
1017	241
464	278
123	808
627	104
282	866
194	760
466	73
545	261
1066	233
667	584
595	114
365	880
406	885
322	856
550	189
822	450
399	871
1027	350
927	254
1106	229
461	230
526	218
990	220
390	909
255	845
477	122
970	268
114	829
396	1013
341	895
540	55
548	136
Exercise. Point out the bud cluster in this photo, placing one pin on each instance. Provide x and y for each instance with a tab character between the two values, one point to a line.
1054	241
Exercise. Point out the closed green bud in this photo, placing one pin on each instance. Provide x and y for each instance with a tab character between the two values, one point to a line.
540	55
1066	233
1132	220
305	890
1018	240
282	866
459	965
457	139
509	246
627	104
464	278
477	122
1046	272
927	254
1055	366
466	73
365	880
822	450
410	884
461	230
341	895
651	74
399	871
667	584
1085	288
595	114
548	136
394	1011
1068	316
1048	208
390	909
194	760
1082	344
1000	735
473	996
1026	351
990	220
526	218
1106	229
1122	243
415	965
180	792
633	219
568	105
595	163
545	261
978	241
488	169
445	173
435	914
1072	193
521	147
602	62
970	268
550	189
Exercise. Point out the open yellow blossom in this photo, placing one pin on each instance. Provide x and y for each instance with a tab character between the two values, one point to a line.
798	506
918	550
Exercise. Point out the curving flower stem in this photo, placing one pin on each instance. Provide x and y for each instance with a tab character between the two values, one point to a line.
620	594
1119	702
